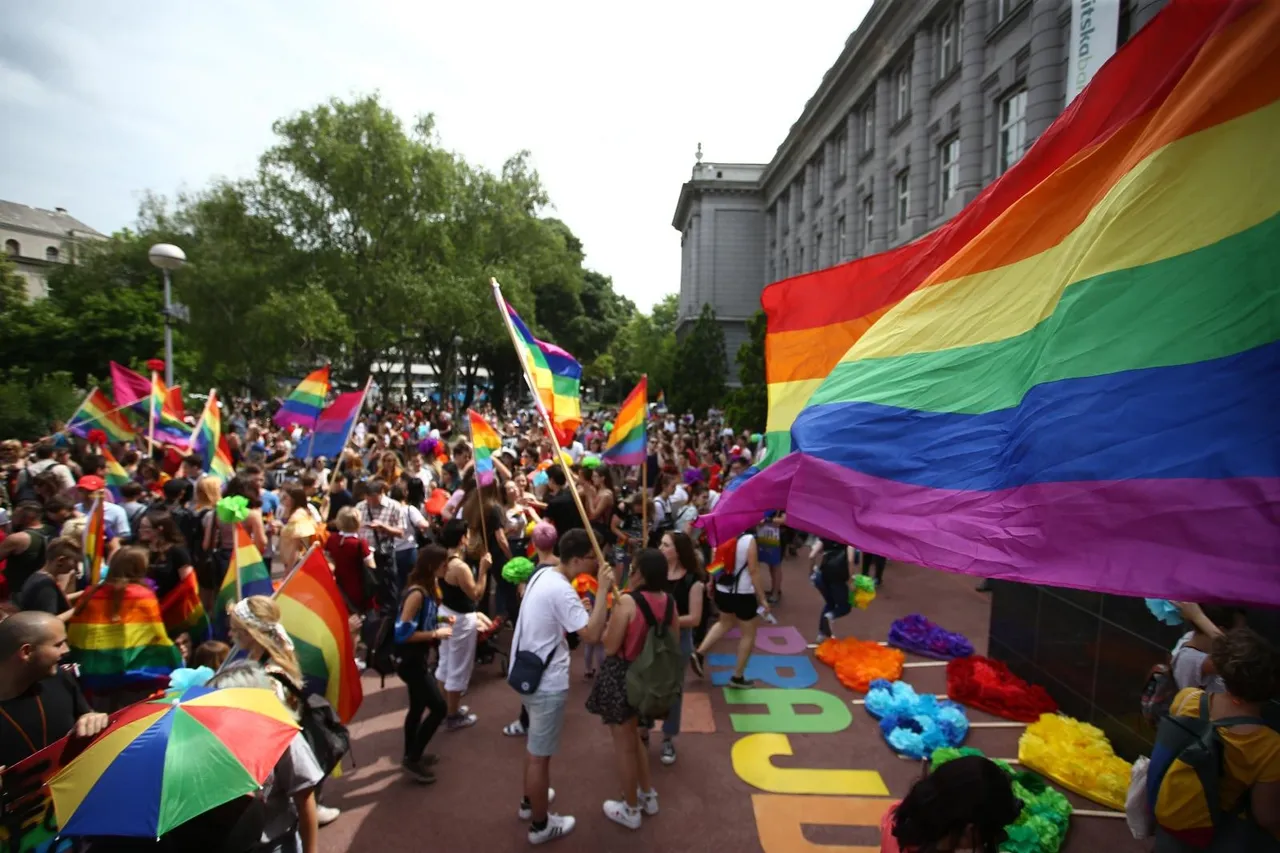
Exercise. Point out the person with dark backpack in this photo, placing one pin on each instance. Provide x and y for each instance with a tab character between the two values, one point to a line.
640	681
418	628
831	576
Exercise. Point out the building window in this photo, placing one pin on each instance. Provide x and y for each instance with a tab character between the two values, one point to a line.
1013	129
842	241
817	251
1004	7
51	254
902	187
786	266
842	154
800	267
819	177
868	221
869	127
902	101
948	168
949	43
11	247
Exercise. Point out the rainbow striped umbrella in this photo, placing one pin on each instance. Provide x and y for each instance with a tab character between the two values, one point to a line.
164	761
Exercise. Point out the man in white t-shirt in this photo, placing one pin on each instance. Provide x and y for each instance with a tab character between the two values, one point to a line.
549	611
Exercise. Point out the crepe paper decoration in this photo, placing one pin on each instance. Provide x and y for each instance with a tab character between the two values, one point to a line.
1078	757
914	726
181	679
859	662
1164	610
864	592
517	570
586	586
1046	814
988	685
232	510
918	635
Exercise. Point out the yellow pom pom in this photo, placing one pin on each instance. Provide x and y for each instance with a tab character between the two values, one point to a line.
862	599
528	528
1076	756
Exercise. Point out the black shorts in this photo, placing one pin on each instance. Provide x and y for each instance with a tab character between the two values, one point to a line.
741	605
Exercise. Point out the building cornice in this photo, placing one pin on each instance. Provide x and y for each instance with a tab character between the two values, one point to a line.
697	188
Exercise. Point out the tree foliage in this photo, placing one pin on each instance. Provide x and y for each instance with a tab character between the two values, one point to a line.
747	407
698	379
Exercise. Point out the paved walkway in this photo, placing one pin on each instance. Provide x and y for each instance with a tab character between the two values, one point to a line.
705	804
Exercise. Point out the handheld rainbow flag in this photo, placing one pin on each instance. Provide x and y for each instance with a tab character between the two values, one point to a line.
332	430
246	575
304	404
183	613
485	442
662	401
312	611
626	444
1071	382
93	547
725	554
118	639
168	425
209	442
113	473
556	375
98	412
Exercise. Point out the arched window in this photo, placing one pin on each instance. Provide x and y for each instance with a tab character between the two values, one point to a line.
11	247
51	253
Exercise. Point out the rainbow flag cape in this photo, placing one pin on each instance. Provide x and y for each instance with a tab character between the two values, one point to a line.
313	613
183	613
485	441
246	575
98	412
304	403
209	442
117	637
1073	381
334	426
556	375
626	444
93	547
113	473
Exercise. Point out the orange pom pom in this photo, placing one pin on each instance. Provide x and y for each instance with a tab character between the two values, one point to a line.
859	662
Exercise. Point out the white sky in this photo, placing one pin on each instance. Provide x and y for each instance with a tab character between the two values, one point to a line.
104	100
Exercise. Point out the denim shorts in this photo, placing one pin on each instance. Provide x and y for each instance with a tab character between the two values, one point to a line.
546	721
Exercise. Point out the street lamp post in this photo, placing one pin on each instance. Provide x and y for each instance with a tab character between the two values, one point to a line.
457	353
167	257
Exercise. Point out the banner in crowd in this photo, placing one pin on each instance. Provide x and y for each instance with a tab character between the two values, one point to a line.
305	403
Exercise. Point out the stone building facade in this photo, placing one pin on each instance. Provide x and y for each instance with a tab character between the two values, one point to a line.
35	239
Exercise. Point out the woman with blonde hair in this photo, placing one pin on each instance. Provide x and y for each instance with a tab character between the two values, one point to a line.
300	528
208	492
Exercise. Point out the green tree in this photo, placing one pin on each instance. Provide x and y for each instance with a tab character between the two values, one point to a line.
747	407
698	381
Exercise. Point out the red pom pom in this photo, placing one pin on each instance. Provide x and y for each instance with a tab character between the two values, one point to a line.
155	365
97	438
989	686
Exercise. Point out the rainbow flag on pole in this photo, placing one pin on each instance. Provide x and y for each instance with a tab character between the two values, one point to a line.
1072	382
246	575
169	426
304	405
93	547
183	613
485	441
557	376
113	473
312	611
626	444
210	443
98	412
118	638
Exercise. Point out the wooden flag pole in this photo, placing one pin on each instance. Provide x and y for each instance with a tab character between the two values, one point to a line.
72	420
546	419
151	424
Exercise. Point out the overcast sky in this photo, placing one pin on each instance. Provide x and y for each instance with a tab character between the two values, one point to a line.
103	101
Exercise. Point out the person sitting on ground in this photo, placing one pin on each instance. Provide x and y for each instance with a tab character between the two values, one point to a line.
963	805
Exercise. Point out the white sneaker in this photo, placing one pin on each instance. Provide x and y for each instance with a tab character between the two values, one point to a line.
557	826
526	812
326	815
648	802
621	813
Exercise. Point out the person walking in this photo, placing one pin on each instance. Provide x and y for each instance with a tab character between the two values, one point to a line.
739	595
688	587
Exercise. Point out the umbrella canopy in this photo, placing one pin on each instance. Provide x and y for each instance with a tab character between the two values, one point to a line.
164	761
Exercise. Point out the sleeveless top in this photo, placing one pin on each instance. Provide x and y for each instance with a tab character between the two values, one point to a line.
454	598
26	563
638	627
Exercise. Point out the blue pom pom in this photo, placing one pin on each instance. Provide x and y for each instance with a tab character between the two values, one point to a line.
1166	611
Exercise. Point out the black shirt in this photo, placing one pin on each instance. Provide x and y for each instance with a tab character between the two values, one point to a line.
22	731
41	592
337	500
563	513
164	570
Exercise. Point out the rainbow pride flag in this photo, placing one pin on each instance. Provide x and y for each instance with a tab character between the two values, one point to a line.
246	575
168	426
485	441
183	613
113	473
305	403
98	412
626	444
725	554
209	442
662	401
556	375
1073	381
93	546
313	613
118	638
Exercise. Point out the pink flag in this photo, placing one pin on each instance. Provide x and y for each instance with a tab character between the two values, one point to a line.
128	387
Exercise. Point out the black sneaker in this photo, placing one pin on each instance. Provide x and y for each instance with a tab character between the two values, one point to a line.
417	772
741	683
698	663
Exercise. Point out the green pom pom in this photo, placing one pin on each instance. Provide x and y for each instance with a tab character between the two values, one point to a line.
1032	782
865	583
591	462
232	510
517	570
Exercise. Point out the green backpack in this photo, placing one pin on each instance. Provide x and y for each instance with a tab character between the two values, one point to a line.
656	677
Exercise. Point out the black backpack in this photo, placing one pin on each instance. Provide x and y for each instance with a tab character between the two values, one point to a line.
323	731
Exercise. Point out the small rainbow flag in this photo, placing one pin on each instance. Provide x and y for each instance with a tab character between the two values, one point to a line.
304	405
113	473
183	613
118	639
725	554
557	376
313	613
662	401
93	546
247	575
168	426
209	442
98	412
626	444
485	442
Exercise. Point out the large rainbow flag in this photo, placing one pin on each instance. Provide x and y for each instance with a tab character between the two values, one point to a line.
93	544
209	442
304	403
246	575
312	612
1073	381
557	376
486	442
183	613
98	412
117	637
626	444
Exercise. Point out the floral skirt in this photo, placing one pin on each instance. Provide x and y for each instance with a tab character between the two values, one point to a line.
608	699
